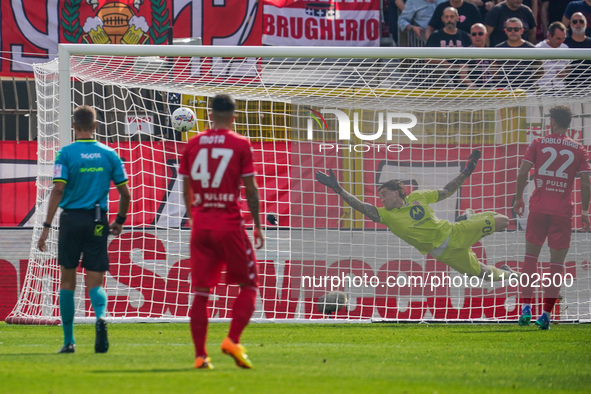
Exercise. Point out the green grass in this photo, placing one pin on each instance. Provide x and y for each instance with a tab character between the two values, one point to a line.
158	358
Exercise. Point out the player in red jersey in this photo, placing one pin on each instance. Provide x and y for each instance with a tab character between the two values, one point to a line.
214	165
557	160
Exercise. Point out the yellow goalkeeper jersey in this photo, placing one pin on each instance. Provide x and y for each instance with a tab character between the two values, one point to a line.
416	223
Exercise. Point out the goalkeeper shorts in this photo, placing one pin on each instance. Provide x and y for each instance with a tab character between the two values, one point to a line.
464	234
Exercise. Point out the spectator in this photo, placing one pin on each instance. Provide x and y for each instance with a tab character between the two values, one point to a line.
552	11
468	14
450	35
499	14
554	70
483	6
513	31
584	7
477	72
416	16
514	73
580	70
578	39
395	7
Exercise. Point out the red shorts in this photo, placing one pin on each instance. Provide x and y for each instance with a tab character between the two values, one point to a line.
212	250
556	228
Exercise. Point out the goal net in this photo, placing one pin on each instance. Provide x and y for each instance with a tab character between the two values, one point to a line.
370	115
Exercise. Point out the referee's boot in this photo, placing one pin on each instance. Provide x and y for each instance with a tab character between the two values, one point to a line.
101	343
69	348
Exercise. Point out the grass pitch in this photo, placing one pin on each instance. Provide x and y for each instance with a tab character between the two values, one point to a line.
443	358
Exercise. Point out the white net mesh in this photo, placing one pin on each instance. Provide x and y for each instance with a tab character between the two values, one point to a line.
286	106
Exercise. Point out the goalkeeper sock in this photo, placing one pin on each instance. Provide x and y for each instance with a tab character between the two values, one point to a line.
67	312
242	310
199	321
98	299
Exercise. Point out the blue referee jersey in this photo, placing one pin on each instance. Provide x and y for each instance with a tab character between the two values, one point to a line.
87	167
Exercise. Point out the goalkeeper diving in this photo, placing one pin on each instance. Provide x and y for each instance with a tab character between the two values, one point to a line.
411	218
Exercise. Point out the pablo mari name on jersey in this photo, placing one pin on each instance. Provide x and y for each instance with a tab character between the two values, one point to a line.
559	141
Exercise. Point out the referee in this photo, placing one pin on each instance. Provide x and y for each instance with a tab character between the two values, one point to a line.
82	178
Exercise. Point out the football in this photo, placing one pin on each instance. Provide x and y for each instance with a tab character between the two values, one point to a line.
331	302
183	119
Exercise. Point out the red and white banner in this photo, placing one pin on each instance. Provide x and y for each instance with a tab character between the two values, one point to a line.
31	30
321	22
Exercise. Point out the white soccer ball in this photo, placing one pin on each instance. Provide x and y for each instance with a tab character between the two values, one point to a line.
183	119
331	302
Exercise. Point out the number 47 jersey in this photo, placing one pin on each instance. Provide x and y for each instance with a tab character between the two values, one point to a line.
215	161
557	159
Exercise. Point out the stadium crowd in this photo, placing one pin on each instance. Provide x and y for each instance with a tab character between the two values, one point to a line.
519	24
413	22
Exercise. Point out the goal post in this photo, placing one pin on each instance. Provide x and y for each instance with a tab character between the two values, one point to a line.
369	114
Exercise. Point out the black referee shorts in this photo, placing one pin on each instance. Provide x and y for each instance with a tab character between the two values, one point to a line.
79	234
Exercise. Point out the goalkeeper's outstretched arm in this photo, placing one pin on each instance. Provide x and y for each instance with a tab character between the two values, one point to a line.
455	183
330	180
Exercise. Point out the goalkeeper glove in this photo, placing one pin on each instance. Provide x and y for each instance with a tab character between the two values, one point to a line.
329	180
472	162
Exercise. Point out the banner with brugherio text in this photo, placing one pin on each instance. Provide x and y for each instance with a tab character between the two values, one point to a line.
321	22
31	30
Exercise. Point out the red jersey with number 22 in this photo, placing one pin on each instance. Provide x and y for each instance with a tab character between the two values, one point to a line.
557	159
215	161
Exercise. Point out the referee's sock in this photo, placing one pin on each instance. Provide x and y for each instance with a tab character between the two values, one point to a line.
98	299
67	310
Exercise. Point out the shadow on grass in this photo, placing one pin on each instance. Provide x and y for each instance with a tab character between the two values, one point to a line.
147	370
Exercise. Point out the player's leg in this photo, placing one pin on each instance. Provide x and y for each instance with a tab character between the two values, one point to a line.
205	273
98	300
465	234
242	269
96	262
535	236
67	307
69	250
199	322
530	266
559	235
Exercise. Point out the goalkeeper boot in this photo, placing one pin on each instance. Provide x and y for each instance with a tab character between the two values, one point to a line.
101	343
466	215
203	363
525	316
69	348
237	352
543	322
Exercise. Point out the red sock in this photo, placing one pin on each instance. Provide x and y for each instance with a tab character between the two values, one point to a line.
530	266
199	322
551	292
242	311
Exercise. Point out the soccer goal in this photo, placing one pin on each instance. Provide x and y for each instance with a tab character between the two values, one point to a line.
369	114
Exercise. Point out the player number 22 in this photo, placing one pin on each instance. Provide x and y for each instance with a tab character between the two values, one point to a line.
570	157
200	170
